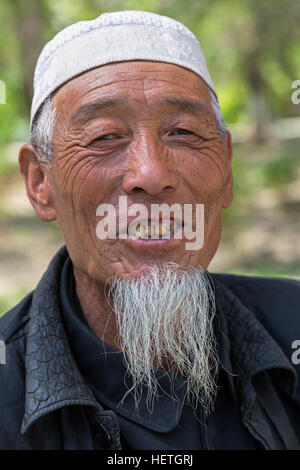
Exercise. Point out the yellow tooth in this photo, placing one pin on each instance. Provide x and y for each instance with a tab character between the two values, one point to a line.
145	231
162	230
154	229
166	228
157	230
137	231
141	231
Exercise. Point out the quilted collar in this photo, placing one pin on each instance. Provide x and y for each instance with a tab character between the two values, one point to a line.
53	379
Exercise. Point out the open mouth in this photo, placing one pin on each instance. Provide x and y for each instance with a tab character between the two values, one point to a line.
155	230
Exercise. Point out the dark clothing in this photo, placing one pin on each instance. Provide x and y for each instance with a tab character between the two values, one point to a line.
171	424
57	393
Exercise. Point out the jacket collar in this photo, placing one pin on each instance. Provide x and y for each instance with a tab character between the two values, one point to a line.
53	379
253	350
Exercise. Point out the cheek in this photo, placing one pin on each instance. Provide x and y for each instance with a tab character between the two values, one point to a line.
82	177
206	176
81	185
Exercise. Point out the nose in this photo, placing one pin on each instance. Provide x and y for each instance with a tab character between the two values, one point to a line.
150	168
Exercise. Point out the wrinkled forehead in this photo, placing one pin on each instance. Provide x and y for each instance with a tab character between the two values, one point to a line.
128	83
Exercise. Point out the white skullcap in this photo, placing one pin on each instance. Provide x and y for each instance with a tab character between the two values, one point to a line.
115	37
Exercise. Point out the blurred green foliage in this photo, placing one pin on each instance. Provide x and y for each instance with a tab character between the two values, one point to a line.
252	53
251	47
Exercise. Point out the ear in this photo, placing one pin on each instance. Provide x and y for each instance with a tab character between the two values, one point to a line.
228	187
38	187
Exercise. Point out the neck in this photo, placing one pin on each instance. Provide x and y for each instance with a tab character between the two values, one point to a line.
96	309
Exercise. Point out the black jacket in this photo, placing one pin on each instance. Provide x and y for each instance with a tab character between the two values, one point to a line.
46	404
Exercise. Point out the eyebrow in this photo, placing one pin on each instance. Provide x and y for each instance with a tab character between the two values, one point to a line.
91	111
191	106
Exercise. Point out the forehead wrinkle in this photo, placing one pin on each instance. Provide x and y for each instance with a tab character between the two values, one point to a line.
92	110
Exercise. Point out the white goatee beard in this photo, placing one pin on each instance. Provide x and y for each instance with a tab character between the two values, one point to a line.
165	321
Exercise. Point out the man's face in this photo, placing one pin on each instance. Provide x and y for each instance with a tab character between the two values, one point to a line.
153	137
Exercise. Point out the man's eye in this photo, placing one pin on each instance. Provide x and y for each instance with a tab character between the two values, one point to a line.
181	132
106	137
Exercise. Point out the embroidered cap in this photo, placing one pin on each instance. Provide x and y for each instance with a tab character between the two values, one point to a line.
115	37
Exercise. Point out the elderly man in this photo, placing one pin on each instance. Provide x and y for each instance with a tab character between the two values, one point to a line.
128	342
